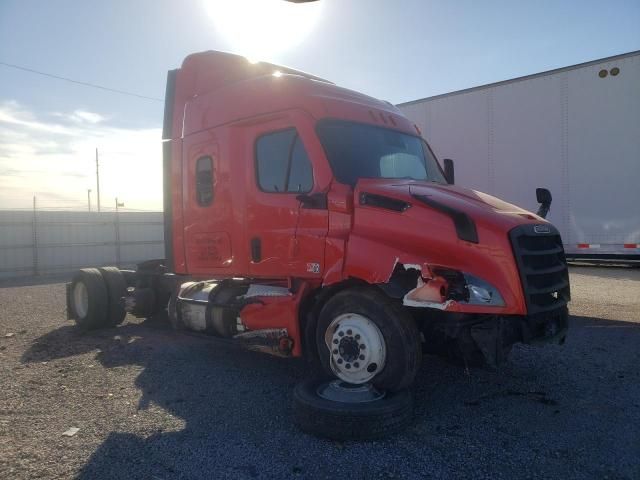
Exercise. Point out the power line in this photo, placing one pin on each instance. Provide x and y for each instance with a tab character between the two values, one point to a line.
86	84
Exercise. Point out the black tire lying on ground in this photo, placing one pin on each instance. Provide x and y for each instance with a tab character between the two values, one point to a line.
116	289
350	421
89	299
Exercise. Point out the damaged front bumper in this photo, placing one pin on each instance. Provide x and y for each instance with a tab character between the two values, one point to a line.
492	336
451	290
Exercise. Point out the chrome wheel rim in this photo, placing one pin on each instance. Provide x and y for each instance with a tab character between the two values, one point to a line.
81	299
357	351
339	391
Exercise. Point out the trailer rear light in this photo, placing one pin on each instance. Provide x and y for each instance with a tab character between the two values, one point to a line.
584	246
588	245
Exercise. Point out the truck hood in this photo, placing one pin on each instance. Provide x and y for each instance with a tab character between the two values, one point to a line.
480	207
422	224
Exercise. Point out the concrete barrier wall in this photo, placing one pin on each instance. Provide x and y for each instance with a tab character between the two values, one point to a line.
43	243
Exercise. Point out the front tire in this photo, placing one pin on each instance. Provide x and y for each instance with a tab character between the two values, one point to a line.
363	336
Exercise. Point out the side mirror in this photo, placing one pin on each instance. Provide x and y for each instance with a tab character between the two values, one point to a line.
543	196
449	173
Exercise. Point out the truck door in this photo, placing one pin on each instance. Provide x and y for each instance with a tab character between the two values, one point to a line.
206	200
285	238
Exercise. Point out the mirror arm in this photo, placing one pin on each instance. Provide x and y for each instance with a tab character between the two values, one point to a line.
449	171
315	201
543	210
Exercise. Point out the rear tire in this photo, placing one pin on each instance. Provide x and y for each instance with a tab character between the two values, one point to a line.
116	289
338	420
89	299
402	342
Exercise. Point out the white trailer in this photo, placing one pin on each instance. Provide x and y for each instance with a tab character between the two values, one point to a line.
574	130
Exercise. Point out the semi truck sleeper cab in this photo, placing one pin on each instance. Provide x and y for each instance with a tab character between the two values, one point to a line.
305	219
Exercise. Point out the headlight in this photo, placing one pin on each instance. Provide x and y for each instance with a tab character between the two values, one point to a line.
482	292
466	288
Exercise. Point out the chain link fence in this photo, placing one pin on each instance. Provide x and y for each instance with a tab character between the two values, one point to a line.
44	242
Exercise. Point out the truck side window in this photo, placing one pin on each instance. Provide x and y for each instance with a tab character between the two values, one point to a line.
282	163
204	181
300	175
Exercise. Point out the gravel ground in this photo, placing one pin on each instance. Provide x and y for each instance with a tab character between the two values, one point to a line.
153	404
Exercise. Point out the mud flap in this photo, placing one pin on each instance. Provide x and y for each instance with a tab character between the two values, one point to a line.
275	341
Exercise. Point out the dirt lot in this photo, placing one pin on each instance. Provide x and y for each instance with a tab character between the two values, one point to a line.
152	404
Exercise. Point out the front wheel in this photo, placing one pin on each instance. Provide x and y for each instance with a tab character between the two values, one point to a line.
363	336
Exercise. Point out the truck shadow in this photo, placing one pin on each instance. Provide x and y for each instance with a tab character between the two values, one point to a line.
227	398
235	405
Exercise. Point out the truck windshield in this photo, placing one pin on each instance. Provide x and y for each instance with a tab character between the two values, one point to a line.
357	150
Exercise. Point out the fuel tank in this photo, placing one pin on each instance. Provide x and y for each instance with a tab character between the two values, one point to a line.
210	307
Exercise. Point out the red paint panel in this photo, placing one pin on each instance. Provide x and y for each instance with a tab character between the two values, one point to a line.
222	104
277	312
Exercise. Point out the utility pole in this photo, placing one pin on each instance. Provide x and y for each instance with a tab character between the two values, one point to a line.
98	178
89	198
117	231
35	238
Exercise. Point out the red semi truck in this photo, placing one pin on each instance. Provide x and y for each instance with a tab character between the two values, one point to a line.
302	218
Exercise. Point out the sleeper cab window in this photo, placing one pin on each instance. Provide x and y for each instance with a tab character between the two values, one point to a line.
282	163
204	181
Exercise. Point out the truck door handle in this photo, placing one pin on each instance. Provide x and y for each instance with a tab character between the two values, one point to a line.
256	249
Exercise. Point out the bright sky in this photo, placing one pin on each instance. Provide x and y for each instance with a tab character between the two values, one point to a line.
395	50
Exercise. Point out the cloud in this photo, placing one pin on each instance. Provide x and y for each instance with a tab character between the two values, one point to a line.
81	117
53	157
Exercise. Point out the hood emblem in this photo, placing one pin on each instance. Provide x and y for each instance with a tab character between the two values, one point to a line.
541	229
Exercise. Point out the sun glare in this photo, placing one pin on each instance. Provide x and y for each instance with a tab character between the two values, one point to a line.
260	29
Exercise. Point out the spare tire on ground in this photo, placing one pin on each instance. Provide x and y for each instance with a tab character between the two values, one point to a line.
116	289
89	299
342	411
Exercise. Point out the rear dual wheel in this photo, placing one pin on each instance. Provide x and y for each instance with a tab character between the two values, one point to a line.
95	297
116	289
